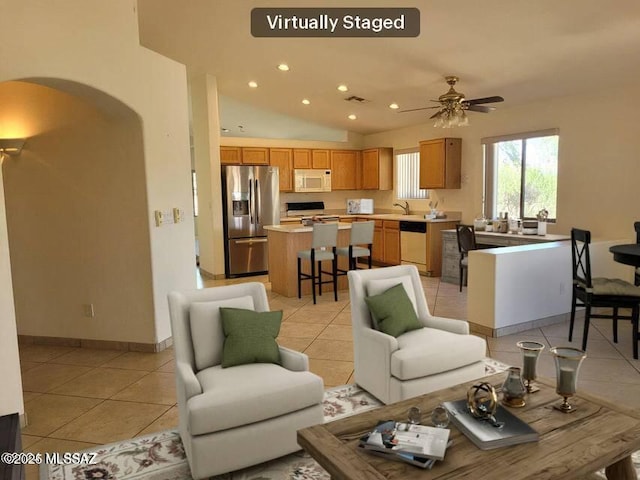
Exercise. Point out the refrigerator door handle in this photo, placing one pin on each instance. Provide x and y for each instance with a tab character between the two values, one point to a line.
252	240
258	202
251	206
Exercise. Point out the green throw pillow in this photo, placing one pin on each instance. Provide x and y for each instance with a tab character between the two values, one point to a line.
250	336
393	311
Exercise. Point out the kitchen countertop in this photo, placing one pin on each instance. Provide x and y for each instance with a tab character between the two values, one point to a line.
299	228
549	237
384	216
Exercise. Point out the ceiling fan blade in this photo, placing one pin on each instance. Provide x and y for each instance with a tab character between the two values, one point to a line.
477	101
479	108
416	109
437	114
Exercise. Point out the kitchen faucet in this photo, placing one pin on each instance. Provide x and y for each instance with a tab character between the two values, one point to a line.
405	207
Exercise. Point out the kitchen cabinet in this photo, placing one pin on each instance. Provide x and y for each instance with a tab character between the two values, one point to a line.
255	156
244	156
320	159
377	169
377	254
308	158
302	158
391	234
345	169
283	159
230	155
440	163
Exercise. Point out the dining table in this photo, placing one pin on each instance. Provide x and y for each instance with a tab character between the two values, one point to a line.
628	254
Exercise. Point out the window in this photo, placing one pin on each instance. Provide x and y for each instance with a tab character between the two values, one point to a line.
194	188
521	174
408	176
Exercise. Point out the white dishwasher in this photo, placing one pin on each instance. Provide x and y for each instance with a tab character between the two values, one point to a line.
413	244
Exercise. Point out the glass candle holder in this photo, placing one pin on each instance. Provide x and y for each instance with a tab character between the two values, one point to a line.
513	389
530	353
568	361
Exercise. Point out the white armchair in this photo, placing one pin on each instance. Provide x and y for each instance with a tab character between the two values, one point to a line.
239	416
439	355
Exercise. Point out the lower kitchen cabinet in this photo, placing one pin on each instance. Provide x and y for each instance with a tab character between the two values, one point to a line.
386	242
391	233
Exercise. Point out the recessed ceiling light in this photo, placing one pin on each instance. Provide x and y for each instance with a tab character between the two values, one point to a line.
343	88
225	130
394	106
283	67
352	117
253	84
305	101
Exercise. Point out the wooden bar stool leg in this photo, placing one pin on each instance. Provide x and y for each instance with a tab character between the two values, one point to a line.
634	324
320	278
615	324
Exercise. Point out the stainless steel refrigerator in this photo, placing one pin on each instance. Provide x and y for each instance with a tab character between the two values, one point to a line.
251	200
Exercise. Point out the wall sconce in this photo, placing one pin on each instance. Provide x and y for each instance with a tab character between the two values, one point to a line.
11	146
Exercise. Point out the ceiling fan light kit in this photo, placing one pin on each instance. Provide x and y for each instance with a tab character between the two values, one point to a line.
453	105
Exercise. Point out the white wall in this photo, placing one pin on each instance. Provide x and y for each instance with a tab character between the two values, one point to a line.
598	157
76	214
206	139
11	391
95	43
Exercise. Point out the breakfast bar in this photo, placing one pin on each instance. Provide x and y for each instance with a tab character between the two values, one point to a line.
285	241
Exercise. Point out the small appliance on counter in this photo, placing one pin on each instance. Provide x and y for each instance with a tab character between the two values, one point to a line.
362	206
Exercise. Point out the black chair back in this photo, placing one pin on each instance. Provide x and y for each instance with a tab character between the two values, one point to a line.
580	240
636	225
466	238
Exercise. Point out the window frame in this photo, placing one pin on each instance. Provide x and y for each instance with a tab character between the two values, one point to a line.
490	180
407	151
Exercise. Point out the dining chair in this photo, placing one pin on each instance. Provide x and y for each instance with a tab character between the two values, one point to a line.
636	226
466	235
323	247
599	292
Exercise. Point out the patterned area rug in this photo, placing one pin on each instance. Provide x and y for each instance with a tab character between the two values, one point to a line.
161	456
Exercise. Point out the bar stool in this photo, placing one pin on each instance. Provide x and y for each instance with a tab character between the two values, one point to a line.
325	235
361	234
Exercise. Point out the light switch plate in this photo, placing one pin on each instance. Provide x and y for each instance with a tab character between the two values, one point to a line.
159	218
177	215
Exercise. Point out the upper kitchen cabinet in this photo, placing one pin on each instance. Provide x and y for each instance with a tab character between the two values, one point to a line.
244	156
255	156
302	158
308	158
320	159
345	169
283	159
440	163
230	155
377	169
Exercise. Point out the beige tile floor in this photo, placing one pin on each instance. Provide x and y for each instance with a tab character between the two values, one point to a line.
76	398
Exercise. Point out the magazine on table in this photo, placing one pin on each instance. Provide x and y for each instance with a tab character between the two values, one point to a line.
504	430
419	445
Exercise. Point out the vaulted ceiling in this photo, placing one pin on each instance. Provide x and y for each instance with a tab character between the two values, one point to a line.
521	50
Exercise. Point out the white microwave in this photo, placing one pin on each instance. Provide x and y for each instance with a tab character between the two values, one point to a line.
307	180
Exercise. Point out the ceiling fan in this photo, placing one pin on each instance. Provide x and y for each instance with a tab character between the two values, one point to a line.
453	104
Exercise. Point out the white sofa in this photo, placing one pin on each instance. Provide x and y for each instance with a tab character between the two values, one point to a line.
231	418
439	355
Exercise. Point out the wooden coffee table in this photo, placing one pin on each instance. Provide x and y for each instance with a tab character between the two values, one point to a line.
597	435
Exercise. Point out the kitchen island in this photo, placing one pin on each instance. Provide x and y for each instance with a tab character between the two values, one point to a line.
285	241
